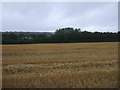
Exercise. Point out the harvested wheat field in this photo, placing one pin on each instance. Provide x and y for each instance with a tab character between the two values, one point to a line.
65	65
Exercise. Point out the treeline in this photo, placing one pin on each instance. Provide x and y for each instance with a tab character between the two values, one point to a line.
64	35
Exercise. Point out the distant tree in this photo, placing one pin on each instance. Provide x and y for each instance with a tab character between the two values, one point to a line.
67	34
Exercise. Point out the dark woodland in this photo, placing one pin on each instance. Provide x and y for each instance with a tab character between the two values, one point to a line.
63	35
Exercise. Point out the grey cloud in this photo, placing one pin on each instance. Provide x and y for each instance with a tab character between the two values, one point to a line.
42	16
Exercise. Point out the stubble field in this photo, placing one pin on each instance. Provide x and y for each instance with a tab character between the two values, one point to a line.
67	65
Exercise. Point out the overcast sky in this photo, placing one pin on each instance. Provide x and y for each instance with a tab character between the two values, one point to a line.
49	16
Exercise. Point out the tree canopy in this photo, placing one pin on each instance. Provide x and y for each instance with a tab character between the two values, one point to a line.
63	35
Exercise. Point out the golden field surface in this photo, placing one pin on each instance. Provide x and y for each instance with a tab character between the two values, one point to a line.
65	65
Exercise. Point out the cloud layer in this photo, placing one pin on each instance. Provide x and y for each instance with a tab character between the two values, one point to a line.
49	16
